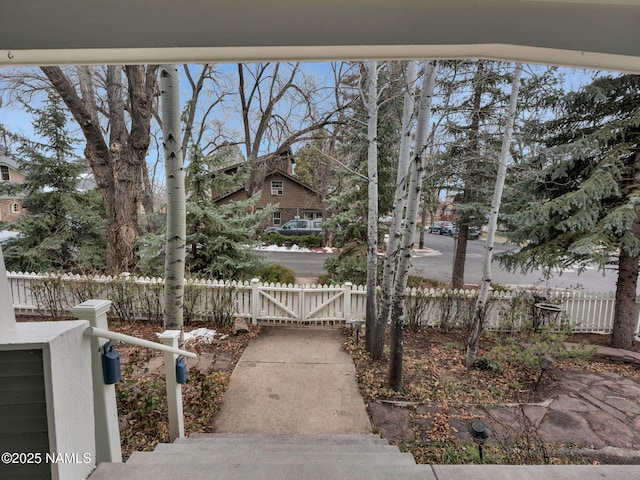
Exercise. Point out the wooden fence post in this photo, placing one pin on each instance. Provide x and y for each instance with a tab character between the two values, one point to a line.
347	302
255	300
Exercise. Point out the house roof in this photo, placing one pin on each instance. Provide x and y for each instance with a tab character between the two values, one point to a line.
9	162
272	173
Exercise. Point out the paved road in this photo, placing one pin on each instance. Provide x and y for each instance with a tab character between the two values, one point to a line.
439	267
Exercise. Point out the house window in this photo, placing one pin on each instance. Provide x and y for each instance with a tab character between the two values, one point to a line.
15	208
4	173
276	188
277	220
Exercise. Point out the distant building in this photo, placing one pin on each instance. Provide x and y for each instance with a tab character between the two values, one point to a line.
10	205
293	197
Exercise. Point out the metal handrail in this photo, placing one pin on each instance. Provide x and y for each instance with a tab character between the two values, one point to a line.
99	332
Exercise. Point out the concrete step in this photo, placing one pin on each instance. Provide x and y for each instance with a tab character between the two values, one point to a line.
218	448
213	460
299	439
185	471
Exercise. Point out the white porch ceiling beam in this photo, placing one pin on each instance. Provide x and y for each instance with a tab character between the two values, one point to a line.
583	33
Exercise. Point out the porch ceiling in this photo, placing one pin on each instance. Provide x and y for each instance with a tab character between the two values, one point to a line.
584	33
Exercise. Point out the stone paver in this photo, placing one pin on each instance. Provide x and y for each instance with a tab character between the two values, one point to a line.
598	411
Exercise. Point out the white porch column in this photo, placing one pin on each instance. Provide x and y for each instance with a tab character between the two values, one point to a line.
7	314
174	389
104	396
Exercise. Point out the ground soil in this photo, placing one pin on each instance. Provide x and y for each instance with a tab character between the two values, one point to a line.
439	396
427	417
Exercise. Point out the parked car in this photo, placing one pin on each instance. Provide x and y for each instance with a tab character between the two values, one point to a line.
298	228
473	232
441	228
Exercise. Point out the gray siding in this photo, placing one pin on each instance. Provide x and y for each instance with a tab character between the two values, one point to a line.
23	412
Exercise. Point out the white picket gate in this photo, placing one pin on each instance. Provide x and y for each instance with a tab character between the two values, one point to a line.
290	304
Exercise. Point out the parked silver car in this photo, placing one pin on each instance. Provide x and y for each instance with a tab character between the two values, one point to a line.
298	228
441	227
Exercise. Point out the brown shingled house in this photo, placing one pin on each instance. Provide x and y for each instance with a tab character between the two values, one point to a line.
281	187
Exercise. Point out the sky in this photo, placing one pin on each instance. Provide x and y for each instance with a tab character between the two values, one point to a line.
17	120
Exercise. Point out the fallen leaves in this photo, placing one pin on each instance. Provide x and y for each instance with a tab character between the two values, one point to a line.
141	395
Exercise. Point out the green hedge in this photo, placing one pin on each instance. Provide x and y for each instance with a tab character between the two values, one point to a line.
276	273
304	241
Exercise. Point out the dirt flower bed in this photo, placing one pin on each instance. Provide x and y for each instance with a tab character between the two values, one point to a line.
440	396
141	395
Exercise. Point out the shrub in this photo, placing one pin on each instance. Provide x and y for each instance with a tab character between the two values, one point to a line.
220	305
309	241
273	239
350	265
418	307
276	273
414	281
525	348
304	241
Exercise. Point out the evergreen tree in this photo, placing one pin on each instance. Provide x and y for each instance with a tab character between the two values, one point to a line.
473	102
582	205
63	229
219	236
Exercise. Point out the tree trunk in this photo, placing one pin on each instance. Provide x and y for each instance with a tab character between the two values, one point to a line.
372	210
626	315
413	198
176	205
423	221
457	280
116	163
480	308
395	230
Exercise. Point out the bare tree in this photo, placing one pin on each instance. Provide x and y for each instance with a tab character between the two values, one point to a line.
209	89
176	205
413	198
479	312
115	119
372	204
279	107
399	202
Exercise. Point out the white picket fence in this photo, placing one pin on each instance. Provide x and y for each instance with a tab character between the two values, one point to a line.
135	298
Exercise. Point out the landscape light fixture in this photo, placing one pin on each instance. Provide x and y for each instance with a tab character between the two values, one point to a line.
480	432
545	363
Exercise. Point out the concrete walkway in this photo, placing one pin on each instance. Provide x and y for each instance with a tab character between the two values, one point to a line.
294	380
300	381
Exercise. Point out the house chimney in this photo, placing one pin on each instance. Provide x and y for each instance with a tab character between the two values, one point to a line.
7	315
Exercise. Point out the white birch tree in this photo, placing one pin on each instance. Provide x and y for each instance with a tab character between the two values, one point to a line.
399	201
413	199
372	209
176	205
480	308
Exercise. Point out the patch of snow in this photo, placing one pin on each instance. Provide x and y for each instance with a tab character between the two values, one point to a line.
201	335
276	248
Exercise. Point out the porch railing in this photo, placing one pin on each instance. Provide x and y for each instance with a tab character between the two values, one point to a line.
107	431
